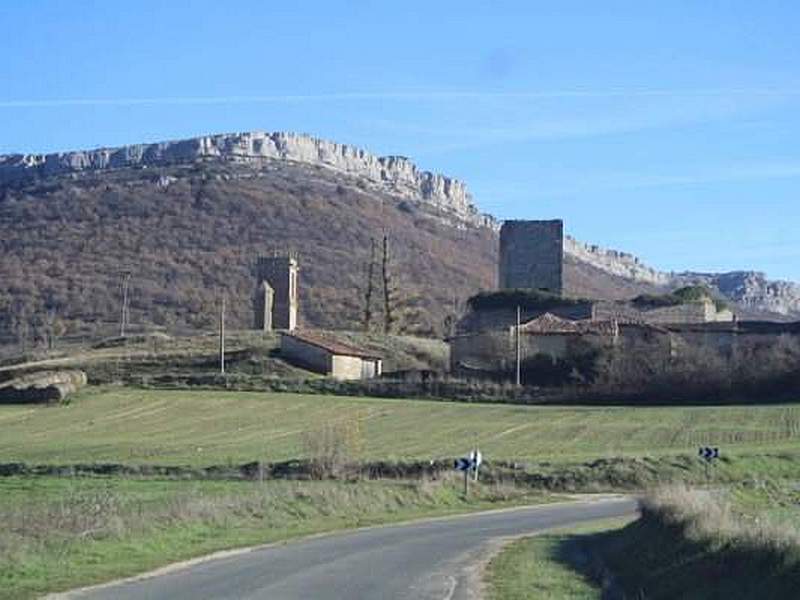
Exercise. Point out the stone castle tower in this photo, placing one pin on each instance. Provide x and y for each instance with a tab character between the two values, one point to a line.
532	255
276	299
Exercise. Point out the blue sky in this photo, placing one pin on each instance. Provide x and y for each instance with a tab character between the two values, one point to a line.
669	129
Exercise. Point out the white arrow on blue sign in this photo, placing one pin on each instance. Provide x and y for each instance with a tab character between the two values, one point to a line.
463	464
709	453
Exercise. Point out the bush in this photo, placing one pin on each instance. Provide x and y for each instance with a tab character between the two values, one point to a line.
692	543
526	299
684	295
333	448
768	370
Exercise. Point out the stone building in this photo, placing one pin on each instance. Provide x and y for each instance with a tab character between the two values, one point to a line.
625	311
568	334
494	350
532	255
329	356
563	343
279	272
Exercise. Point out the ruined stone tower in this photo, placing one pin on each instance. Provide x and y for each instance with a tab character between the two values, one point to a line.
263	303
280	273
532	255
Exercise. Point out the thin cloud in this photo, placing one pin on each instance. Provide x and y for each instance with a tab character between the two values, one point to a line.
399	96
632	181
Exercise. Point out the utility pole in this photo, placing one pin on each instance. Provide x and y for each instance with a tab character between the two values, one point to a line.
518	350
222	336
126	278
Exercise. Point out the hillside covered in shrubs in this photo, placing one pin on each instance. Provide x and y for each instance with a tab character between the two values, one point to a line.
188	233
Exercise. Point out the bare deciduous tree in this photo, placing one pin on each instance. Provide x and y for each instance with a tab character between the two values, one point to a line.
388	291
370	287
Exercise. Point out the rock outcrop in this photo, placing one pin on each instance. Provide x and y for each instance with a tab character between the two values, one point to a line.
751	291
615	262
395	174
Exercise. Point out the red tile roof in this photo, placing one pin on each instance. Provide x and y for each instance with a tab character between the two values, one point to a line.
550	324
326	342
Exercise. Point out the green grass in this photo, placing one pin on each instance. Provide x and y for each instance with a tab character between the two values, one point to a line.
544	566
58	534
118	424
692	544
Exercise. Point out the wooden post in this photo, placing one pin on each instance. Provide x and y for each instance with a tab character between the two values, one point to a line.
222	336
126	277
518	350
466	483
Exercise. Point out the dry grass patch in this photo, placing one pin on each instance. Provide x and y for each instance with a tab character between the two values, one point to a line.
694	544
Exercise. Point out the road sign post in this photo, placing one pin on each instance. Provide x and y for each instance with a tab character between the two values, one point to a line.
467	464
477	458
709	455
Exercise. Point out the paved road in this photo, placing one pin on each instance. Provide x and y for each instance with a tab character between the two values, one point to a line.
422	560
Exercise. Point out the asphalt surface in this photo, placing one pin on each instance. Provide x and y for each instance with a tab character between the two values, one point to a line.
432	559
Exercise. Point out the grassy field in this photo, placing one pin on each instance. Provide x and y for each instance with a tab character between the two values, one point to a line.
61	533
118	424
545	566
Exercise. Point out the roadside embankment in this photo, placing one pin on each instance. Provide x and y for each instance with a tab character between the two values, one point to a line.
693	544
686	544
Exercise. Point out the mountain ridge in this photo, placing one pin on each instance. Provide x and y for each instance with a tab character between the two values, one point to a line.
397	174
69	221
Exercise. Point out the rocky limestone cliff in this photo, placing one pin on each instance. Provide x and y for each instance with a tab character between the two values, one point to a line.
615	262
751	291
394	174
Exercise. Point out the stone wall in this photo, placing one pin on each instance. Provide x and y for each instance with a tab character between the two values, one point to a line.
492	354
503	318
689	313
306	355
532	255
263	305
346	367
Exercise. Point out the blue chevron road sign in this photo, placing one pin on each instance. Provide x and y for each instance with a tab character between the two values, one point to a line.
463	464
709	453
469	463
